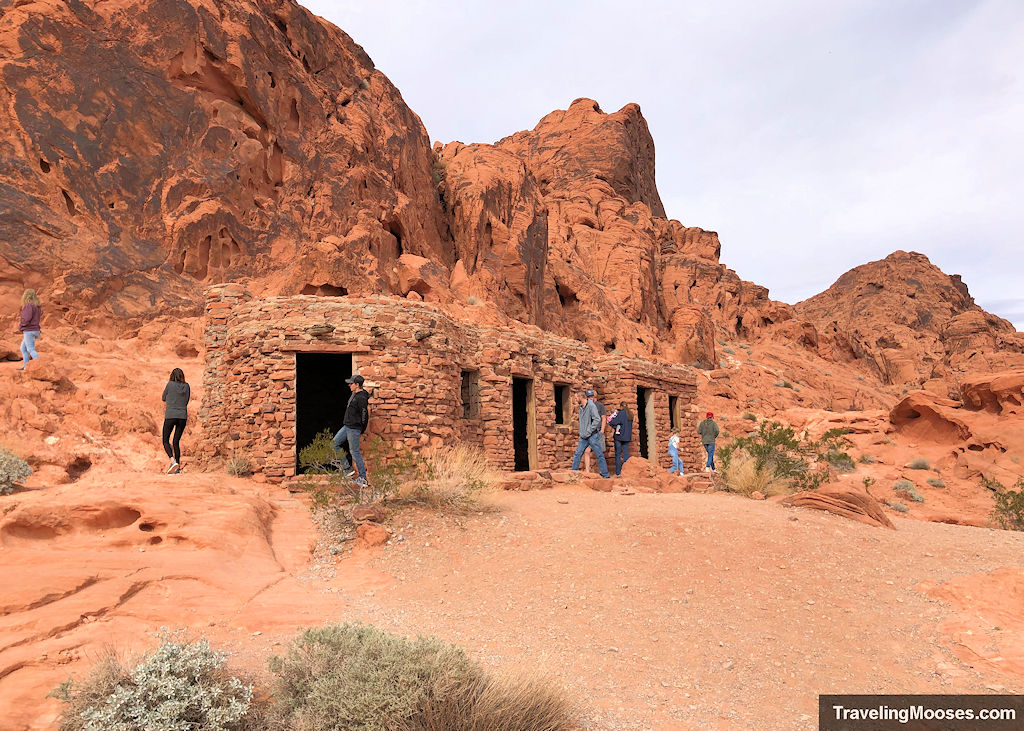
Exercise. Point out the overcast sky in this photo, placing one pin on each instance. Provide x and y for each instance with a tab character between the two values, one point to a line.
813	135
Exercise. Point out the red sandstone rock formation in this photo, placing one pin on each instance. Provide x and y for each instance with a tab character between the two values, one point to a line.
911	322
151	148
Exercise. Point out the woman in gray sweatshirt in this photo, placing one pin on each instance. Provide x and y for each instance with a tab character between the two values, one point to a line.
176	396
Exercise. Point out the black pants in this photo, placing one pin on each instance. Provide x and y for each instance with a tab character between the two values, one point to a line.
178	427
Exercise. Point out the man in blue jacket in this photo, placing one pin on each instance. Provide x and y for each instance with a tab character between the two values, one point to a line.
590	434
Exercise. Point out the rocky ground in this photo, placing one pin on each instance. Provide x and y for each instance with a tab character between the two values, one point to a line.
656	611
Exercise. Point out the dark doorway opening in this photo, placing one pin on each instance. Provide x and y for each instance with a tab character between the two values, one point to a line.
643	406
321	395
524	425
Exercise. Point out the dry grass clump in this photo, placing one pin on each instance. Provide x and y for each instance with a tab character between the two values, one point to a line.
919	463
239	466
742	475
452	479
357	676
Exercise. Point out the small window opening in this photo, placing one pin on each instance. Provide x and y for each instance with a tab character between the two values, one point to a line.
673	412
470	394
561	403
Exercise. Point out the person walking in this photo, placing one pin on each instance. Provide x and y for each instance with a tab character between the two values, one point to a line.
590	434
31	314
603	413
176	396
357	418
673	452
622	423
708	431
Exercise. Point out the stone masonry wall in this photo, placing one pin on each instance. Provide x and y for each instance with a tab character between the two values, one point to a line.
412	357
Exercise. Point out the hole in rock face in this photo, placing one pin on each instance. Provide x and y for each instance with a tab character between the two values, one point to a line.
146	527
113	518
44	166
68	202
155	540
78	467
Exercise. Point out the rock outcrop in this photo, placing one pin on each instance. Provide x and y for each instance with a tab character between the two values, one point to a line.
913	323
152	148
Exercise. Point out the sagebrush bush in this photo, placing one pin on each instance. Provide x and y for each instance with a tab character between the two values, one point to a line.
920	463
354	676
936	482
180	687
748	416
897	506
842	461
867	459
907	488
13	469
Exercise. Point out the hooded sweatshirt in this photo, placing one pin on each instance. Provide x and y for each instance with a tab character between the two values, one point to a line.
176	394
31	313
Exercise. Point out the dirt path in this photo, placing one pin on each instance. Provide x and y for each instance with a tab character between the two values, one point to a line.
658	611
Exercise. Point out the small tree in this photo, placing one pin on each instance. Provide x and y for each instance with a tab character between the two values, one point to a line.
1008	511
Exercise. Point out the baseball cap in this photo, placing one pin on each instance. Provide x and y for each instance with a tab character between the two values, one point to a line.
589	392
355	379
710	414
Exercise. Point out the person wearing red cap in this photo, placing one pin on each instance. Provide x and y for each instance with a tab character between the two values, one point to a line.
708	431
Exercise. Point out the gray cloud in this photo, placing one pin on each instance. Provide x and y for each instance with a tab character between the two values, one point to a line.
812	136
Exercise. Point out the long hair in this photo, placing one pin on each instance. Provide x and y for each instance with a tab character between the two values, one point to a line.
30	296
178	375
625	407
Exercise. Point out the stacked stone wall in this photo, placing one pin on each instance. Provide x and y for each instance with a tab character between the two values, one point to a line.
412	357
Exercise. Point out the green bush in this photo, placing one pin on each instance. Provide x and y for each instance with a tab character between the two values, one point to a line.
1008	511
748	416
908	489
774	455
13	469
180	687
919	464
355	676
842	461
936	482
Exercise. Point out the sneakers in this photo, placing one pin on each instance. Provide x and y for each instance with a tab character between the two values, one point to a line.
350	473
174	469
707	469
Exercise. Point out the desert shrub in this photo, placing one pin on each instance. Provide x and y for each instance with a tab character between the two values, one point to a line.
748	416
907	488
741	474
359	677
452	479
730	351
319	457
842	461
239	466
180	687
13	469
867	459
778	461
920	463
936	482
897	506
868	482
1008	511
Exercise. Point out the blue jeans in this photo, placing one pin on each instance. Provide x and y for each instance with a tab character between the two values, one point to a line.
28	345
594	443
710	449
350	437
621	455
677	464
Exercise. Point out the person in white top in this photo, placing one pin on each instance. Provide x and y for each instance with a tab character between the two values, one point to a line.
673	452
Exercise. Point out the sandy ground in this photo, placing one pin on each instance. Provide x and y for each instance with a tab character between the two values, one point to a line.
656	611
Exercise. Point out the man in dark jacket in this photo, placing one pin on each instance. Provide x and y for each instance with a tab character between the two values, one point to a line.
708	431
622	423
357	416
590	434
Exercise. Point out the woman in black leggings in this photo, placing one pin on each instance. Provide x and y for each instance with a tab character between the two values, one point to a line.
176	396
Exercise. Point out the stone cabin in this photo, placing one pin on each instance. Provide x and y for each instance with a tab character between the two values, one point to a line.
276	369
